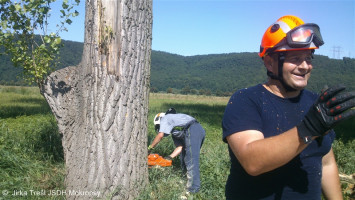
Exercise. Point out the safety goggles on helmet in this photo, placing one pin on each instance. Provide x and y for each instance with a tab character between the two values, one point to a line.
303	36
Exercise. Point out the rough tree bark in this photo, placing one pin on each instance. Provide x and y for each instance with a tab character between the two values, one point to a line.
101	105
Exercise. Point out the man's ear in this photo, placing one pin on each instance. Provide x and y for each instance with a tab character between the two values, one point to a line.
270	64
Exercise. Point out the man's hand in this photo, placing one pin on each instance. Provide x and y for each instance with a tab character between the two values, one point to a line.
150	149
332	107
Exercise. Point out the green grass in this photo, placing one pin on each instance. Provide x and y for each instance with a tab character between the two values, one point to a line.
31	155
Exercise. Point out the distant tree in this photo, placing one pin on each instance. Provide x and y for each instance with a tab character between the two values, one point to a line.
169	90
219	93
193	91
202	92
153	89
227	94
186	90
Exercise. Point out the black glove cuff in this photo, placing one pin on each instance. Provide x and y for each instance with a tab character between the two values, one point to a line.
168	158
312	124
304	133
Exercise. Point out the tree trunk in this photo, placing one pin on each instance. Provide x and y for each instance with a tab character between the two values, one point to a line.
101	106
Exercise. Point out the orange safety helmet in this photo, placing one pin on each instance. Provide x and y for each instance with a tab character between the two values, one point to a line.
290	33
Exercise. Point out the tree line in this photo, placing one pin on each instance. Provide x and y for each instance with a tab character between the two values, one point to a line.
214	74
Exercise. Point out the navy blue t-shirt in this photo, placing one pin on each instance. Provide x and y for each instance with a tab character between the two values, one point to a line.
256	108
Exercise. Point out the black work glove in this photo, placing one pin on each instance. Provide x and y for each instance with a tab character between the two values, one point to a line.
332	107
150	149
168	158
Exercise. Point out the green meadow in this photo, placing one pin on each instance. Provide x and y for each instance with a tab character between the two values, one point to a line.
31	155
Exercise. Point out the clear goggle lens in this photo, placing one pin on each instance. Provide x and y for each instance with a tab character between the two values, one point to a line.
302	35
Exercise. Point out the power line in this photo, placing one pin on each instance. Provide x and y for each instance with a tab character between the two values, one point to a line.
336	50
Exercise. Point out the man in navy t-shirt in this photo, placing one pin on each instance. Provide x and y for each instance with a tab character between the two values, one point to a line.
279	135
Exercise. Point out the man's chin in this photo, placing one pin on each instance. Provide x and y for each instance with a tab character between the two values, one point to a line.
299	85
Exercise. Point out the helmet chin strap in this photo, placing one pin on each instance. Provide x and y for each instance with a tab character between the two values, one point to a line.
279	77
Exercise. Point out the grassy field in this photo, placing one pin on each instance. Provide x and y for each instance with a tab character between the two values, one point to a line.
31	156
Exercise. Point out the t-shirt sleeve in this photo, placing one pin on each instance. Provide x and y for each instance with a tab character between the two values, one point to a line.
241	114
332	135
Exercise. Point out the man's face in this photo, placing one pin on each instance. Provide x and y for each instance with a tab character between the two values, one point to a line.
297	68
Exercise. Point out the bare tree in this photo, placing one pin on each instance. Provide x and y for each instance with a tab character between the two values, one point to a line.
101	105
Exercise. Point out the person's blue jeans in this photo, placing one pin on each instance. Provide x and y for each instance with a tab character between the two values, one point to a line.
190	156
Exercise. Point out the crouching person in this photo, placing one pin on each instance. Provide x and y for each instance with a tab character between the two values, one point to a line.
188	136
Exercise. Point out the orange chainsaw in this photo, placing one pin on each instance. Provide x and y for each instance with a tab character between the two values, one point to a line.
155	159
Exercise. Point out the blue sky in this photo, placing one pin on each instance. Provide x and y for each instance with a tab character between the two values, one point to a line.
199	27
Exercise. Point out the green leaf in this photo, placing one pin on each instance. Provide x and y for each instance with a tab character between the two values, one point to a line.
58	40
47	39
76	13
65	4
68	21
18	7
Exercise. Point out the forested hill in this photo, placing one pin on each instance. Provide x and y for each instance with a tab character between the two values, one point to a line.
70	55
219	74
